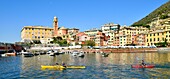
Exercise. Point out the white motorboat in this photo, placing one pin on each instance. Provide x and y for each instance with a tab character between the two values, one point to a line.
3	55
81	54
52	54
23	52
75	53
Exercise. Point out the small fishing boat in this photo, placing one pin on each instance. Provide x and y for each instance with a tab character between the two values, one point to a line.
140	66
105	54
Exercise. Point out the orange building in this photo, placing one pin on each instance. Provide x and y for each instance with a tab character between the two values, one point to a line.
100	39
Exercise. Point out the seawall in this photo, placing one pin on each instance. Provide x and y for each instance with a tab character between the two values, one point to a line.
121	50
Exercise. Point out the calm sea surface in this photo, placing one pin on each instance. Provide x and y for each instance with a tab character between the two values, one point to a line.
116	65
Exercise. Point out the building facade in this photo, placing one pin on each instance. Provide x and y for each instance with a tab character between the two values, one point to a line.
82	37
109	30
36	33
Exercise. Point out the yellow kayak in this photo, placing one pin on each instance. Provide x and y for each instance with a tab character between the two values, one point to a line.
52	67
62	67
76	67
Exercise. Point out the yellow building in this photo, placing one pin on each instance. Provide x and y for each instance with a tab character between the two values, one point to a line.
127	35
160	35
36	33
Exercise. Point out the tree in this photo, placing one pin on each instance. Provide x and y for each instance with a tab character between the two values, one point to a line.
162	44
36	41
56	39
89	43
163	16
62	42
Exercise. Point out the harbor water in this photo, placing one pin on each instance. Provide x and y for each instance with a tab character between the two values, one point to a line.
116	65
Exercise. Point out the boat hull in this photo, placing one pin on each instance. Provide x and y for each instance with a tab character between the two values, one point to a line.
76	67
28	55
11	54
52	67
140	66
62	67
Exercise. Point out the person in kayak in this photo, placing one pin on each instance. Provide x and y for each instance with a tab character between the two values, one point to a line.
143	63
57	64
63	64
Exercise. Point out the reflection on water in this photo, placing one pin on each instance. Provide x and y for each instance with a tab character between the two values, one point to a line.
116	65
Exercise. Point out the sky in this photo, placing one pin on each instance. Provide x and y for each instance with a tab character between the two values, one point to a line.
81	14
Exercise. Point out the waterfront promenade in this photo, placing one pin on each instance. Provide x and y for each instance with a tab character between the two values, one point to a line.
121	50
101	50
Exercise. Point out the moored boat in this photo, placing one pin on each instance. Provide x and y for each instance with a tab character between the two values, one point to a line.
81	54
3	55
75	53
105	54
52	54
28	55
140	66
11	54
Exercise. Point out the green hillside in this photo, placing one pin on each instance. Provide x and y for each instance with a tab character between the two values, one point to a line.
162	12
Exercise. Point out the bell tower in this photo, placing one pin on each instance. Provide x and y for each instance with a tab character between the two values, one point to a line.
55	26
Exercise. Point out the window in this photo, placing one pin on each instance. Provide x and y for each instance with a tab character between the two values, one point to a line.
158	39
150	39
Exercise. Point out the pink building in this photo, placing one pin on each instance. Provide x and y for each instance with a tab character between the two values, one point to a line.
140	39
82	37
62	31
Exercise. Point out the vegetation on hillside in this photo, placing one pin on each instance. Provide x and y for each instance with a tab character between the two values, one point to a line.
162	13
